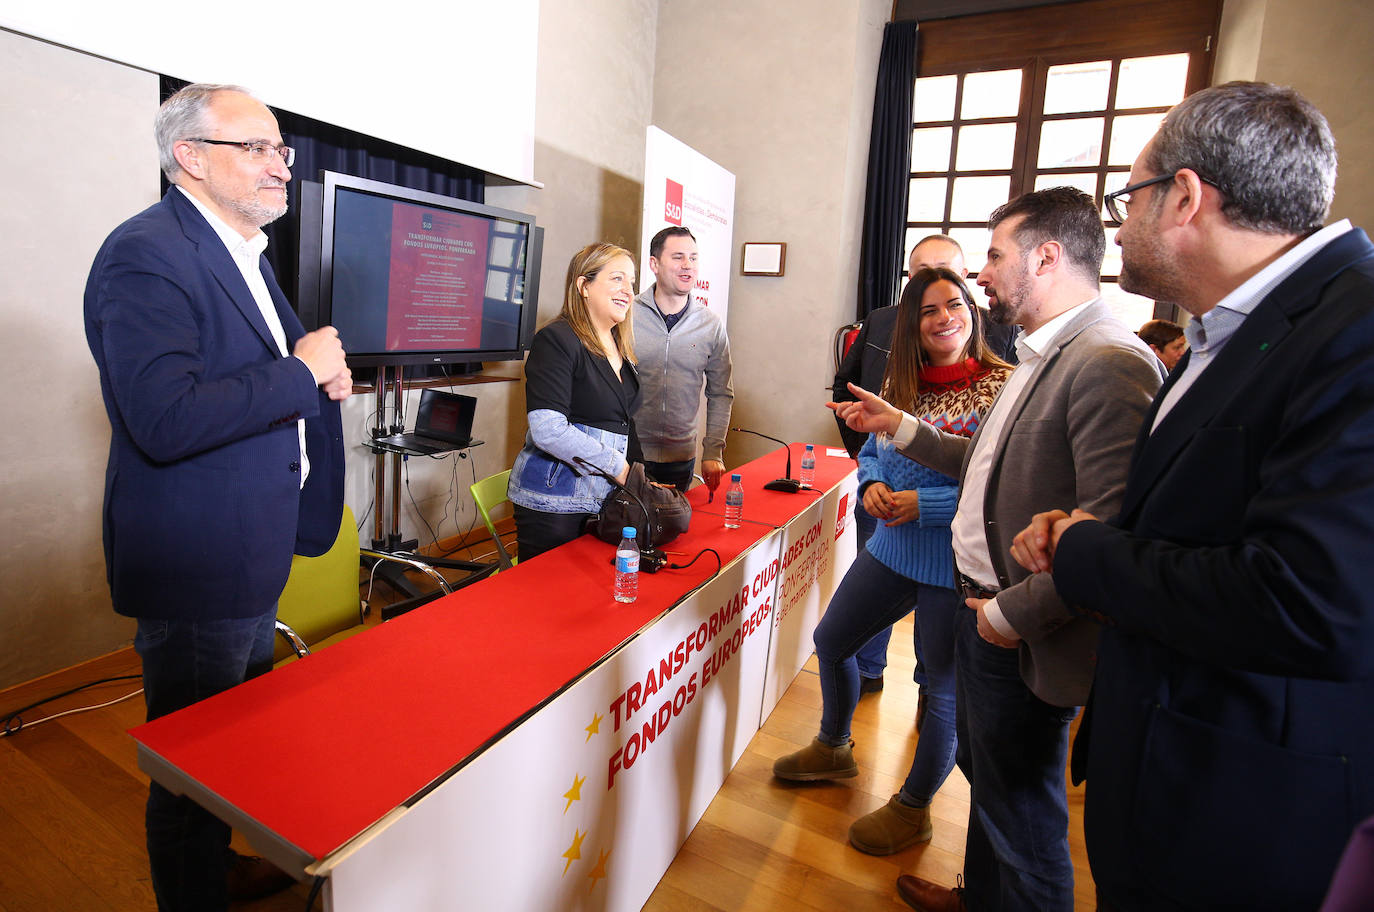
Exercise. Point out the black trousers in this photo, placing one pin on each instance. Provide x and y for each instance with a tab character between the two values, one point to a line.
537	531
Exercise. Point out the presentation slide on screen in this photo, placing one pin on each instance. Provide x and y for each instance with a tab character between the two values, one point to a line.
438	278
409	277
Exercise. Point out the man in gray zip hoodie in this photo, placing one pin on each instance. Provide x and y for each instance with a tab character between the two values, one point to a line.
681	345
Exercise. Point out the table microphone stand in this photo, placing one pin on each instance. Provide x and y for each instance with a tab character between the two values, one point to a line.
788	484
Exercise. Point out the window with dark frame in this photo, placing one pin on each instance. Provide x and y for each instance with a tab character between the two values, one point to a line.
1006	103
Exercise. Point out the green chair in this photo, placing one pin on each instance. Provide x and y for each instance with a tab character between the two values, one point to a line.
488	494
320	604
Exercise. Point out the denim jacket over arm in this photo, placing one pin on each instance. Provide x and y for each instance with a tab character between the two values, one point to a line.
576	408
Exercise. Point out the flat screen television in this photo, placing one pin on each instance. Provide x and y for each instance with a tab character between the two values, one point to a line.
410	277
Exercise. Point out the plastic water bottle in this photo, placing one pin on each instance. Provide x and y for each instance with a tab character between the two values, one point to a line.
627	567
808	472
734	502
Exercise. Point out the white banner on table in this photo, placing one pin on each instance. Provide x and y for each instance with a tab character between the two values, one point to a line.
817	549
585	804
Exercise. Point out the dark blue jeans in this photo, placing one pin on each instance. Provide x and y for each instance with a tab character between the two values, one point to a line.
184	662
871	597
1012	749
873	656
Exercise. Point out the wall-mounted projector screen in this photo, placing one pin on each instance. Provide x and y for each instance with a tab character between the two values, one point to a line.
457	82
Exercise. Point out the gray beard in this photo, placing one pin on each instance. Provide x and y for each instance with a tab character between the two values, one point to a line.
257	213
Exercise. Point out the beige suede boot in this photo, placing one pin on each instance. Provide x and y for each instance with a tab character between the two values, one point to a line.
817	760
890	828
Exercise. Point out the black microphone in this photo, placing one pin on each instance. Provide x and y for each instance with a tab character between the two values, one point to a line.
789	484
651	559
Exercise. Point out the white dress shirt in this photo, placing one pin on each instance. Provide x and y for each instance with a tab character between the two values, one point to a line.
971	554
1211	331
246	253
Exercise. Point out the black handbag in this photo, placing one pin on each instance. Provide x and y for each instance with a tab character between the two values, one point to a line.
668	510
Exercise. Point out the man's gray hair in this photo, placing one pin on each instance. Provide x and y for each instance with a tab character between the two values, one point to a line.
1266	148
185	115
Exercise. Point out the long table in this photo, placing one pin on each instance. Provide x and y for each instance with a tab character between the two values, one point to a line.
526	742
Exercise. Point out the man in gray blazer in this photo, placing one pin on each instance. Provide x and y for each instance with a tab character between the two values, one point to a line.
1060	431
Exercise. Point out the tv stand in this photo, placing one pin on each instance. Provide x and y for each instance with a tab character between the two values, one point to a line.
387	483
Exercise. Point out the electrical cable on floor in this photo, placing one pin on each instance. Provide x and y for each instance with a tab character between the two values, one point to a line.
371	581
451	499
476	558
14	722
366	513
416	507
467	536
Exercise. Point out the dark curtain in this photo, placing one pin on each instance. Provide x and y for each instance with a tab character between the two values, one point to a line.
889	170
321	146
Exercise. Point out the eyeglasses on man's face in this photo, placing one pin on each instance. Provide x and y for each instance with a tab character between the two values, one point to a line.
1117	203
260	153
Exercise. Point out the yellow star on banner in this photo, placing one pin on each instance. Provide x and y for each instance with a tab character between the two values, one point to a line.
595	727
574	793
598	871
574	851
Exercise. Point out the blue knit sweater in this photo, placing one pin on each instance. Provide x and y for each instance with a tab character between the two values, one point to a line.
954	399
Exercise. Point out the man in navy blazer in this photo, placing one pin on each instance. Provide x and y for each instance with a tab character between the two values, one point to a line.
226	446
1229	741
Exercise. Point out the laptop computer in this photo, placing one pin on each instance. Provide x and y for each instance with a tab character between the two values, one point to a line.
443	423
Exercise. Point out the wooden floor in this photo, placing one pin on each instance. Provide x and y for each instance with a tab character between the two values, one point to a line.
767	846
71	810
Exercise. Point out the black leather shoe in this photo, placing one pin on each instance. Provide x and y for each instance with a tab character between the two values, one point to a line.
929	897
251	877
870	685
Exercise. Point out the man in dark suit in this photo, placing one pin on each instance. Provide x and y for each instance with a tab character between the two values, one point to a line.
226	447
1059	431
1229	742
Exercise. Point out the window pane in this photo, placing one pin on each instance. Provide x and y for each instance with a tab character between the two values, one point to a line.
930	148
1131	309
976	197
1066	143
1078	87
1115	181
975	244
986	147
995	94
912	236
1111	263
1129	136
934	98
1085	182
1148	82
927	200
